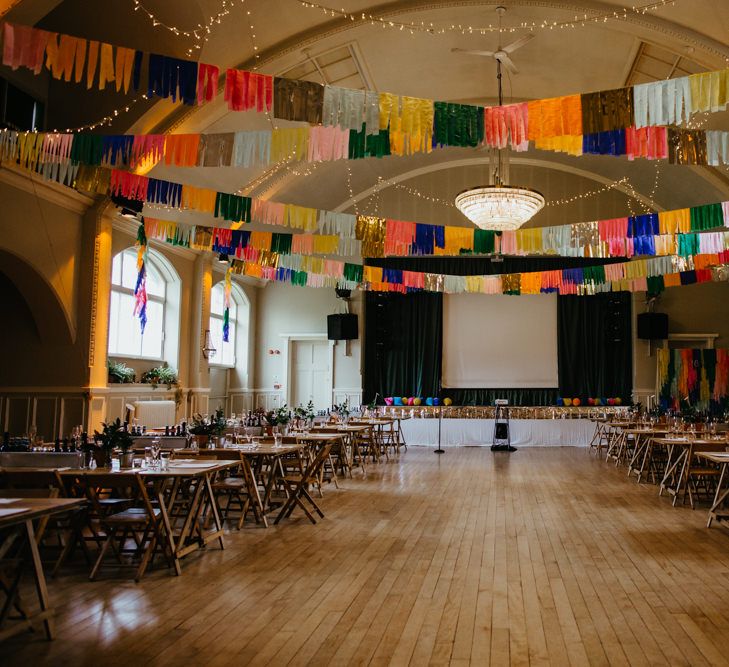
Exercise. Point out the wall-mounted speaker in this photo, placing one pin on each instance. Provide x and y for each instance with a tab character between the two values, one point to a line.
652	326
342	327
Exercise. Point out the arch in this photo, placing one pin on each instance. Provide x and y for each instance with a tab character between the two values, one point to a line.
50	317
475	161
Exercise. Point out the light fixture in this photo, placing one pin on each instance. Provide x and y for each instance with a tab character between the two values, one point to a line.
222	258
499	206
208	350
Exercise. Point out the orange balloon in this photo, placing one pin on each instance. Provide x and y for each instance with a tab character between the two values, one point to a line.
576	401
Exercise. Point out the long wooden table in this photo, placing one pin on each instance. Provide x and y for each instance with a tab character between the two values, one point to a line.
642	449
680	455
187	533
20	513
722	487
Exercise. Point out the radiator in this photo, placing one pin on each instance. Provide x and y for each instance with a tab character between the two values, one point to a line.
154	414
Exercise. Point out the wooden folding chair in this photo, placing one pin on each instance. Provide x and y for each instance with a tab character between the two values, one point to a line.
241	492
141	521
297	486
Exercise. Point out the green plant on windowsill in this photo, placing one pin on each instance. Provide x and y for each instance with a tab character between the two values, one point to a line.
208	426
119	372
160	375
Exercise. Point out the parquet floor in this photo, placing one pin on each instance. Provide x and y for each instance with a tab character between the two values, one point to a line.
544	556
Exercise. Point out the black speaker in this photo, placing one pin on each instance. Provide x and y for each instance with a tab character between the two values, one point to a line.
652	326
342	327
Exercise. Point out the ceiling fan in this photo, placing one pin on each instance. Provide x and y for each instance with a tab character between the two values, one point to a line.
502	53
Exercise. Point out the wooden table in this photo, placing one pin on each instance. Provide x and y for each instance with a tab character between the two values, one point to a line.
722	459
643	449
350	431
33	508
680	455
617	439
169	487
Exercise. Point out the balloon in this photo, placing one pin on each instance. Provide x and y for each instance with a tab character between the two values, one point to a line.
576	402
611	401
604	401
429	401
559	401
618	401
410	401
447	401
398	400
417	401
567	401
389	400
590	401
436	401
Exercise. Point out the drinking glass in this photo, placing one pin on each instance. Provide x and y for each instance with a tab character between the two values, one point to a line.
277	439
164	461
148	457
115	464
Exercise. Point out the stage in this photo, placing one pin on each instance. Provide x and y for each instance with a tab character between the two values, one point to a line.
524	432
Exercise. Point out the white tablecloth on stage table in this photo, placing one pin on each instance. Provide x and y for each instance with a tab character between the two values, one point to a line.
524	432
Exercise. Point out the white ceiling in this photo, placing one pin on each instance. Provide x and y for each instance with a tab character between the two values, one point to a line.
556	62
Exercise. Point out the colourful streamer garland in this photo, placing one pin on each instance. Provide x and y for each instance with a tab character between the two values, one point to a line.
140	288
226	303
607	122
693	377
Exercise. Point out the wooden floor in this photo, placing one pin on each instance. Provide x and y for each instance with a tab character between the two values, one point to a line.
543	556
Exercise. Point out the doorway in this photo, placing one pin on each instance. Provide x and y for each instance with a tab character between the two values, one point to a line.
311	373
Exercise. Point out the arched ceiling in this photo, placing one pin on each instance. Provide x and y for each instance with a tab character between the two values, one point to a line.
688	36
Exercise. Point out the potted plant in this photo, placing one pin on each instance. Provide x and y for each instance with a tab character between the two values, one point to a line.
160	375
305	415
113	436
279	418
204	428
119	372
342	410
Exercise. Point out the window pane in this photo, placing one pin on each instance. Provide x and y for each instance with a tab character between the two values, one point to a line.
155	283
152	339
125	327
225	351
129	269
228	356
216	299
116	270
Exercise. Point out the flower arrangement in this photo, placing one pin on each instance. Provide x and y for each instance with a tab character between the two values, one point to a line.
208	426
114	435
342	409
279	417
307	412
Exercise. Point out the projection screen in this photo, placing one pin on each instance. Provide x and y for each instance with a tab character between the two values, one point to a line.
499	341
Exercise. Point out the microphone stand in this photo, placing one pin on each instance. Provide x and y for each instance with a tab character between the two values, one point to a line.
440	449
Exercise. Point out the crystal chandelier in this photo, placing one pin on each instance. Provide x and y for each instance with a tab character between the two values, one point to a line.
499	206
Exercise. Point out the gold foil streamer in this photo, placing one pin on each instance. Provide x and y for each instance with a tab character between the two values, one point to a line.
511	282
370	230
298	100
93	179
686	146
607	110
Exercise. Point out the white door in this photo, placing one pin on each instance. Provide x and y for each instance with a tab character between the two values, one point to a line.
311	373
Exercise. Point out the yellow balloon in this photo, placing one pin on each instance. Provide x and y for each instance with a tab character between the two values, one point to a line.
568	401
447	401
416	401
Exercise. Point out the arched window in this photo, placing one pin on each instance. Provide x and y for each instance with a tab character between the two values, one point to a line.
159	341
231	354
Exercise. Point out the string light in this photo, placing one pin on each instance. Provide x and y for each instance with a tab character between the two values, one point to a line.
352	200
105	121
621	14
200	33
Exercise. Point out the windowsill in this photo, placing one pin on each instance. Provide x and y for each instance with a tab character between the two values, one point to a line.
222	366
132	358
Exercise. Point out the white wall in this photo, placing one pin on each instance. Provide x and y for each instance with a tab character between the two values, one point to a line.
691	309
284	309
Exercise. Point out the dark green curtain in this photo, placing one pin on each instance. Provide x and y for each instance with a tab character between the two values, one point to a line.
595	346
402	347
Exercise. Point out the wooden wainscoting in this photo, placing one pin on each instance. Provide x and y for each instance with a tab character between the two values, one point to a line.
54	411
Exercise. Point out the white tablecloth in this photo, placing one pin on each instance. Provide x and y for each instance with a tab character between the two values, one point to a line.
524	432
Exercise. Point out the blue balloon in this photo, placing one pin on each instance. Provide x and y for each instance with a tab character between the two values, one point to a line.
436	401
560	400
398	400
429	401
